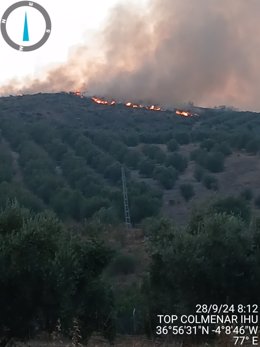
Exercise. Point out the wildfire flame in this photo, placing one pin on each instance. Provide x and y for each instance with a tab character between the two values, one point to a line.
183	113
77	93
103	102
154	108
151	108
127	104
132	105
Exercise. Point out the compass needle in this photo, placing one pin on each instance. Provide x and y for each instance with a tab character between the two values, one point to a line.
25	29
36	26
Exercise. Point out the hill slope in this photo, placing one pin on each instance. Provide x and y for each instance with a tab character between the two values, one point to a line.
65	153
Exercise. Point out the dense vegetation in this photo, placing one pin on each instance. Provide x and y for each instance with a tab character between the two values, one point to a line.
63	251
47	273
51	273
65	153
215	258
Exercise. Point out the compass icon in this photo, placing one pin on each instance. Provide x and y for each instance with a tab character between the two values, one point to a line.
26	26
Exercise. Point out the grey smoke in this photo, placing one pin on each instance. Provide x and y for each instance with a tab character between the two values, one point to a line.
174	51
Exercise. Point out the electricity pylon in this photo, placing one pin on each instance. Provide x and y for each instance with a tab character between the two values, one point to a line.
126	203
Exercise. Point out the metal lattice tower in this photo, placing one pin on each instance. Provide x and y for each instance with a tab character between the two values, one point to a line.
126	204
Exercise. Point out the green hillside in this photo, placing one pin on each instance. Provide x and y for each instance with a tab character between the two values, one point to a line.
68	267
65	153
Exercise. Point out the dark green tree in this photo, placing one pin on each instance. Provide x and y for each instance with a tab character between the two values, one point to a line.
213	262
183	138
257	201
215	162
253	146
146	167
210	182
113	172
187	191
172	145
247	194
233	205
46	273
178	161
207	144
132	158
198	173
165	176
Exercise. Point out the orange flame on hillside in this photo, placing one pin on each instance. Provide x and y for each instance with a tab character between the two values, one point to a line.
150	108
77	93
154	108
183	113
103	102
129	104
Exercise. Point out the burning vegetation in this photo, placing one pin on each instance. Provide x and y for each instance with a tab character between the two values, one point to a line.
184	113
102	101
150	108
140	106
77	93
127	104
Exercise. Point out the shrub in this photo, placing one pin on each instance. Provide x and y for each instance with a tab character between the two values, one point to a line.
143	206
252	146
233	205
151	150
198	136
241	140
131	140
160	156
199	156
67	267
123	264
183	138
215	162
172	145
154	153
132	158
247	194
257	201
166	176
146	167
207	144
198	173
187	191
223	148
178	161
210	182
208	263
113	172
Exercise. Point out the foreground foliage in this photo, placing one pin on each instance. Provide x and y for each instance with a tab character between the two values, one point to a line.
48	273
214	259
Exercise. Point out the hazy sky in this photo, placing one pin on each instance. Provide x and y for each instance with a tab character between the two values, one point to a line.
167	52
73	22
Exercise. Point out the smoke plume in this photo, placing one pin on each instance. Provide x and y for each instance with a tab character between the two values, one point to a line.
172	52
